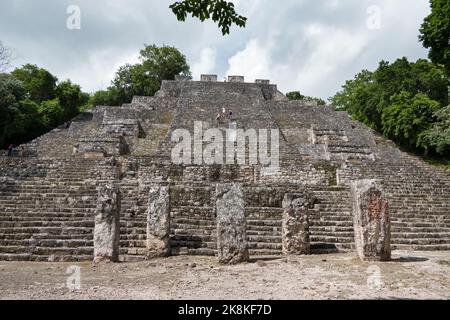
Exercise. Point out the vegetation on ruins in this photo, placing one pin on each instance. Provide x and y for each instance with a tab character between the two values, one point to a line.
296	95
32	101
144	78
408	101
220	11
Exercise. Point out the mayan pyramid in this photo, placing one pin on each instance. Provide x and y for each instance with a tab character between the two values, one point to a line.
49	192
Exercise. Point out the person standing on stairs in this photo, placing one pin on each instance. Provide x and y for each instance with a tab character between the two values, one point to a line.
10	150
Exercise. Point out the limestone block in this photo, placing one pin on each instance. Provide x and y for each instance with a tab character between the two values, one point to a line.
235	79
179	77
208	77
295	223
158	221
371	220
107	224
231	224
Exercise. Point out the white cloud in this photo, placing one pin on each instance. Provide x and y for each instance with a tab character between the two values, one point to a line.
206	64
309	70
332	48
101	67
311	46
253	62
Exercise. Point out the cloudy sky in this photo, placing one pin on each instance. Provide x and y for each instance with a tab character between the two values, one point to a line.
307	45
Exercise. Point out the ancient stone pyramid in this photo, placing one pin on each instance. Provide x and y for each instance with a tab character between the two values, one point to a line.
48	194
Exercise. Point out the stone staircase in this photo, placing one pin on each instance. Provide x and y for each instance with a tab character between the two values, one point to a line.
419	199
48	216
48	196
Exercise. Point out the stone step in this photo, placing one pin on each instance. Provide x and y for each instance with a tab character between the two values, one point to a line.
264	252
197	222
330	228
424	247
46	223
264	238
128	243
418	235
48	230
70	243
401	228
266	222
57	251
140	251
193	239
192	251
42	258
330	239
327	233
419	224
419	241
185	226
265	245
26	236
132	237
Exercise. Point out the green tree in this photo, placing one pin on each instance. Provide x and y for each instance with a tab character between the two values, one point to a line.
397	99
39	83
71	98
361	98
163	63
296	95
408	117
27	124
51	113
19	119
420	76
127	83
11	92
221	12
108	97
144	78
438	136
435	33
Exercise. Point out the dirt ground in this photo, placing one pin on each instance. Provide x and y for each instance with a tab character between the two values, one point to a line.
411	275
